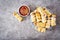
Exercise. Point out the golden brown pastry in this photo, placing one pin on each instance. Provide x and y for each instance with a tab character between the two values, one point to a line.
46	11
39	19
43	19
33	18
40	24
38	16
17	16
48	24
43	30
43	14
53	20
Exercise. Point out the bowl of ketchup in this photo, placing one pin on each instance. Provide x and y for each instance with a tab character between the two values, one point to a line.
24	10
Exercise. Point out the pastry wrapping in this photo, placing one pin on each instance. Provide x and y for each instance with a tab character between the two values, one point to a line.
17	16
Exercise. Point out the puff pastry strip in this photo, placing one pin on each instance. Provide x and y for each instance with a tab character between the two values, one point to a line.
17	16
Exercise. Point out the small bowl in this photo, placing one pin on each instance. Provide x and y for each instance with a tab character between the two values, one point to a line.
28	10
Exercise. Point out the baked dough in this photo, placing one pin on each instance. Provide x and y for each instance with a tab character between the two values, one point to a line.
43	30
53	20
48	24
17	16
43	19
48	13
40	24
38	16
33	17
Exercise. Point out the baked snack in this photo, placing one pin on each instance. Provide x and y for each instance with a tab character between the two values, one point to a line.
38	16
17	16
53	20
48	24
43	19
33	17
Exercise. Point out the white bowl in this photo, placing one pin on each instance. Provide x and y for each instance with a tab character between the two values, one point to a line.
27	7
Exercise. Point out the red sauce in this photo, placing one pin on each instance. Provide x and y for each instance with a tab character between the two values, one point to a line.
23	10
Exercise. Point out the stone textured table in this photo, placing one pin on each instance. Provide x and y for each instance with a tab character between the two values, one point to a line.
12	29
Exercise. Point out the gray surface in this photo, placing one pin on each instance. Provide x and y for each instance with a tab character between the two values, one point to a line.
12	29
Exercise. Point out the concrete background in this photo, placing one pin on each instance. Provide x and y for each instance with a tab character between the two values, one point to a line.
12	29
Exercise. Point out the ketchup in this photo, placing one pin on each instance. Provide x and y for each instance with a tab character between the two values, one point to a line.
23	10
